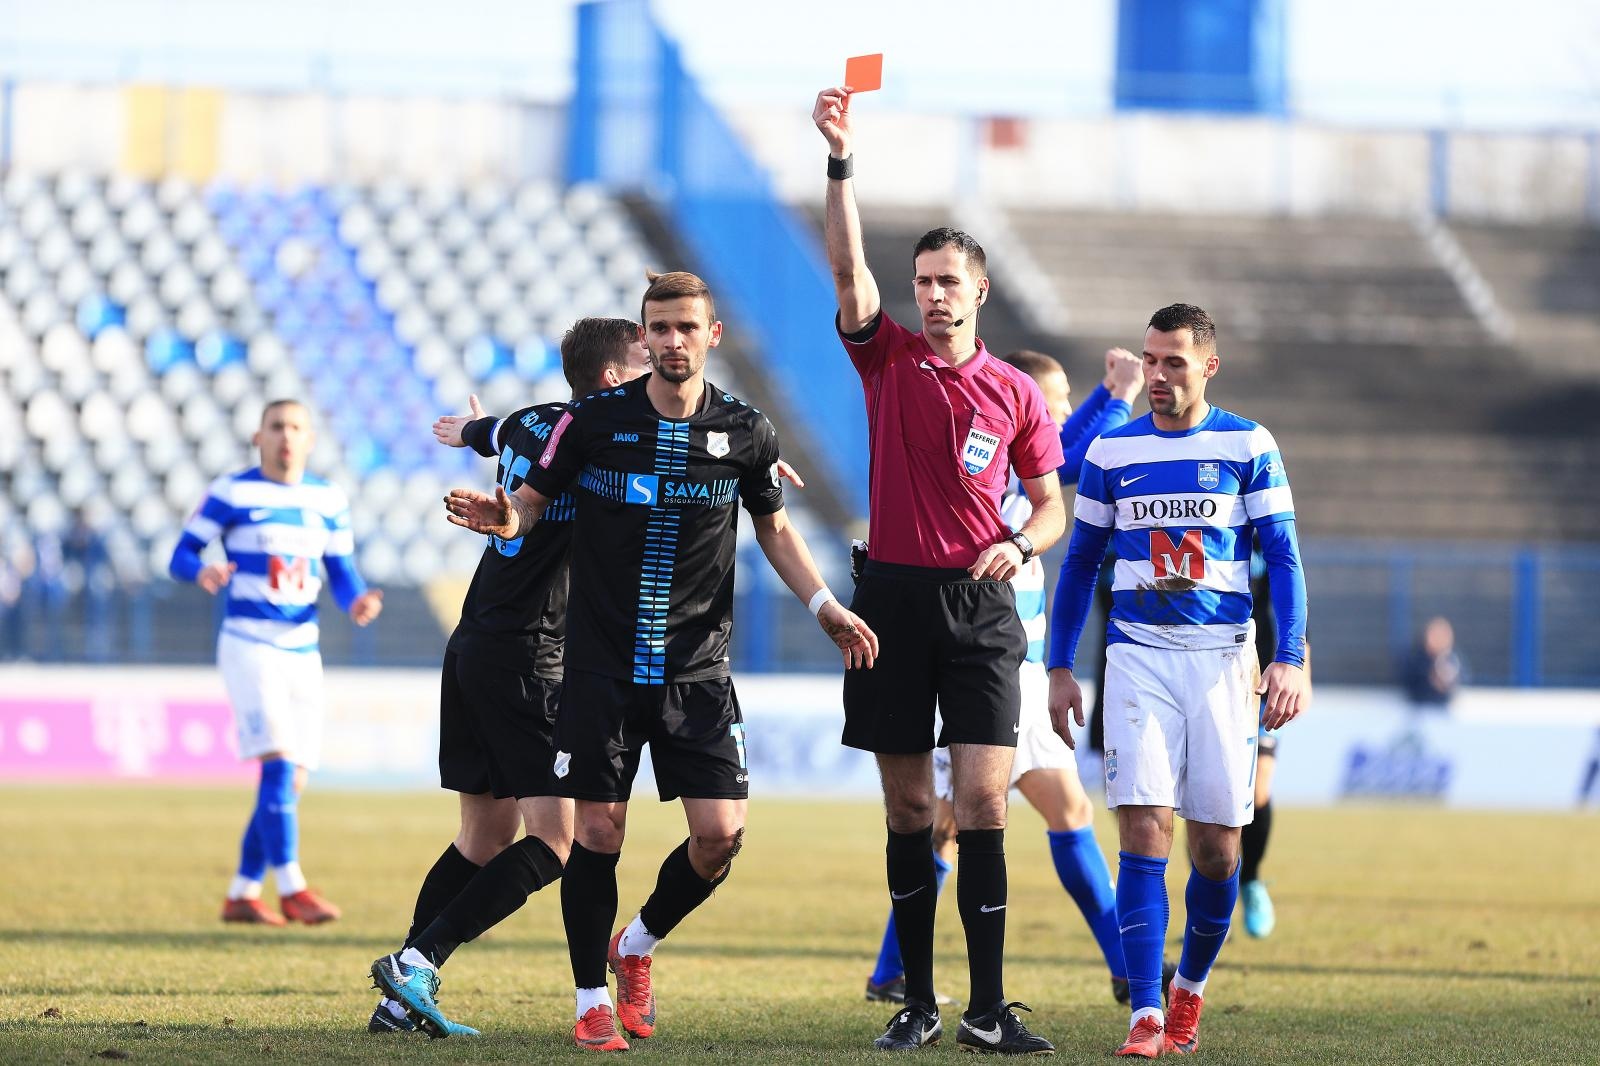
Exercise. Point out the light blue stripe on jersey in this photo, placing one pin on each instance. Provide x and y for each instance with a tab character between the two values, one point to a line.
1181	507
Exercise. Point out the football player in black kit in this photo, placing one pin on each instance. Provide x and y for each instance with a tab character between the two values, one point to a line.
656	467
501	683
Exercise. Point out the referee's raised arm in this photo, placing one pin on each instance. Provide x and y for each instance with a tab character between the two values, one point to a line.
847	259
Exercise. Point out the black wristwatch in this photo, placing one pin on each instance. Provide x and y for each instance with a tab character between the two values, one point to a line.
1024	545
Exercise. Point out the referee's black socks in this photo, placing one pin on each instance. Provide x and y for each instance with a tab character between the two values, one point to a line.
913	893
981	897
495	892
588	908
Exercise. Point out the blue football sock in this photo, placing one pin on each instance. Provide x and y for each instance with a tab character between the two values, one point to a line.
252	852
1142	920
1087	879
277	813
889	964
1210	910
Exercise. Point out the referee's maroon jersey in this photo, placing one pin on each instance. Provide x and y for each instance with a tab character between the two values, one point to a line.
942	439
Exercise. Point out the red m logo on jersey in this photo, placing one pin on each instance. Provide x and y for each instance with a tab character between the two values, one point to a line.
288	573
1187	558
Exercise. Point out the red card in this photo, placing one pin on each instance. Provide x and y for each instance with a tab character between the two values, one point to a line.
864	73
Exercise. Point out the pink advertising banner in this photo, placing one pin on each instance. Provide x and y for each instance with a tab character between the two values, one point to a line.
129	734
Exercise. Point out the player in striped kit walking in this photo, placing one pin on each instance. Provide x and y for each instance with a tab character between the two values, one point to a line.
282	529
1178	493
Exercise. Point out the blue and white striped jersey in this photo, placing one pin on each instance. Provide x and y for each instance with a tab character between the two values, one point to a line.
1028	583
1179	507
284	539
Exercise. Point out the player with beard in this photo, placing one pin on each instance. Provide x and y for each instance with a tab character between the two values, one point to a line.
1179	493
657	469
500	687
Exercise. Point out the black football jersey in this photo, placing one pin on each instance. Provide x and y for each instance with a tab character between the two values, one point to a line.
653	542
515	611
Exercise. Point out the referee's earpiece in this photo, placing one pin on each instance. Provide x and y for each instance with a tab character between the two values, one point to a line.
983	291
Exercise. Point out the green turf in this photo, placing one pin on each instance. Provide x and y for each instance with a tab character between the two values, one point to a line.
1405	935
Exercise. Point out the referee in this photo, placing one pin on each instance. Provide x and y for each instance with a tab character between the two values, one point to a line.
946	423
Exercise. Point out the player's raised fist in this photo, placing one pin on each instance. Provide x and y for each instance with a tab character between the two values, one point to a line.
1124	374
832	116
482	513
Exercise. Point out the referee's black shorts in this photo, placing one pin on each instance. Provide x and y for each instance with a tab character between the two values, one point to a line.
946	640
494	729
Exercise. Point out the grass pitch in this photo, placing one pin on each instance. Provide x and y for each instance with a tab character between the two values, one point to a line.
1405	935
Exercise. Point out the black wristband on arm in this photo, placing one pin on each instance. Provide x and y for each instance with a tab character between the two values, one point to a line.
840	169
476	435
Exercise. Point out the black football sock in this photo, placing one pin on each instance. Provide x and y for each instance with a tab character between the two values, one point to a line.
1253	843
504	884
449	875
981	898
588	909
913	895
679	890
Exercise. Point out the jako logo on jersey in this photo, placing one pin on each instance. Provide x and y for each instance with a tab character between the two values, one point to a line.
1185	559
1209	478
716	444
624	438
642	488
1163	510
980	450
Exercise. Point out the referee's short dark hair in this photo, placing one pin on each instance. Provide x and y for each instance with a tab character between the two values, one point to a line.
1032	363
594	345
944	237
1187	316
675	285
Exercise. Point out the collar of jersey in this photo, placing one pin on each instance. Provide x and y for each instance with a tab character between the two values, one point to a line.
966	370
1205	423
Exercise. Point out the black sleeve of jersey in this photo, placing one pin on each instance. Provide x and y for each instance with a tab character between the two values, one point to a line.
479	436
556	465
761	488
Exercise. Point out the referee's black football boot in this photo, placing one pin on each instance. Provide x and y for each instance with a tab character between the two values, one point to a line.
912	1027
1124	995
1001	1033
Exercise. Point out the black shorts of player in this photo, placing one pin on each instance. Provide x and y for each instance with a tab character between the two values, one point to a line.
694	728
494	729
945	640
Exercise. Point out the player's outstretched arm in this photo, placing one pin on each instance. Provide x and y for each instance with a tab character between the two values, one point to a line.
786	550
1066	700
447	429
505	516
847	258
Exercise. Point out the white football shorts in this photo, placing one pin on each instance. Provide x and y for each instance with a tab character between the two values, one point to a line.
1038	747
277	699
1181	730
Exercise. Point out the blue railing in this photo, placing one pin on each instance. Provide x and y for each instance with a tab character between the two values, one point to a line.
1523	615
639	121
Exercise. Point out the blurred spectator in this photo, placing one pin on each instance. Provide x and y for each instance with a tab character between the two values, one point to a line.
16	566
1434	670
88	568
45	598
